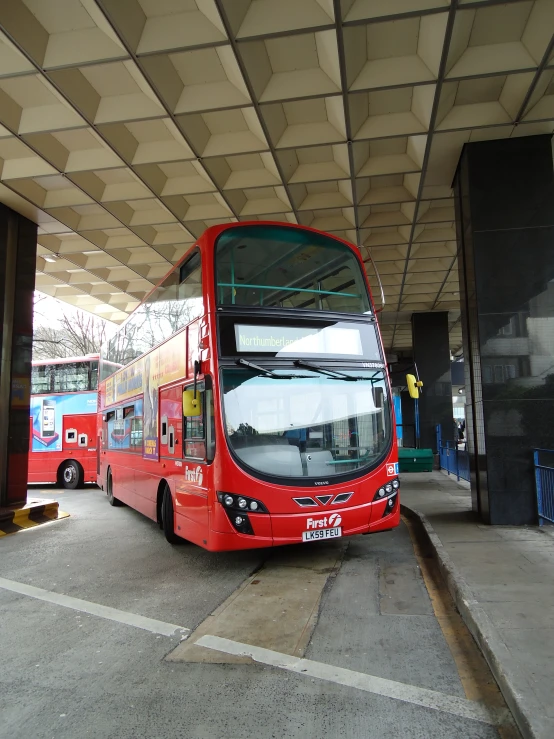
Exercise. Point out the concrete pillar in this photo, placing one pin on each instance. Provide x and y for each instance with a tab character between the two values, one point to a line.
432	357
504	193
408	419
18	249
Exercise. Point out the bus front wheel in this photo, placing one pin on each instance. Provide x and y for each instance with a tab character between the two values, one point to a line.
168	518
72	475
112	500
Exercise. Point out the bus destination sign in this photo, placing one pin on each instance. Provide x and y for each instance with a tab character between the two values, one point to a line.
337	340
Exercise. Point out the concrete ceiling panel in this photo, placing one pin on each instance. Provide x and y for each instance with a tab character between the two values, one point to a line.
127	127
356	10
264	17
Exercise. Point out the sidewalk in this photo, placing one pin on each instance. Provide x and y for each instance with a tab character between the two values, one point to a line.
502	580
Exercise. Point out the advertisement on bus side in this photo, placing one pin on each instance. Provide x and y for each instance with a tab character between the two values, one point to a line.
169	361
162	365
151	384
47	412
125	428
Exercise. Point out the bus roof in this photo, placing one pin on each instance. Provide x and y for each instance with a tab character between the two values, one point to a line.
220	228
67	360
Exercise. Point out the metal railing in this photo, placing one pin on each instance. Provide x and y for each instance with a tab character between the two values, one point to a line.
453	460
544	484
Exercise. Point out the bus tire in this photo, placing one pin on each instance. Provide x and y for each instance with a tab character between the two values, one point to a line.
72	475
168	518
112	500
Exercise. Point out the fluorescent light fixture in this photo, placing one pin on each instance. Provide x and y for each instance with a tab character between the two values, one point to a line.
49	259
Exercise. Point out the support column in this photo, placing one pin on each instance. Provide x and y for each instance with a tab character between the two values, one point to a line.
408	419
432	357
504	192
18	249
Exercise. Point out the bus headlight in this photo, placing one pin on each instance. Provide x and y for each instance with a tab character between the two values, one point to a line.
236	507
388	490
391	505
241	503
241	524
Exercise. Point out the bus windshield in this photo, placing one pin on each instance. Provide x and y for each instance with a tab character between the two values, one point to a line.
283	267
309	424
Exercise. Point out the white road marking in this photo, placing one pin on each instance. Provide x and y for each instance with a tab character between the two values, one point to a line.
95	609
361	681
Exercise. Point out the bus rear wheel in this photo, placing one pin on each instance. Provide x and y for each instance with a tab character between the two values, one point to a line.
168	518
72	475
112	500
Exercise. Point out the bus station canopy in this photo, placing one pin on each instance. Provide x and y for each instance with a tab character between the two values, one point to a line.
127	128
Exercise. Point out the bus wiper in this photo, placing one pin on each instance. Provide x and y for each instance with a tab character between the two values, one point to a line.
331	373
266	372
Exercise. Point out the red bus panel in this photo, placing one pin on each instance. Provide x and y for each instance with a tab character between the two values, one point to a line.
267	419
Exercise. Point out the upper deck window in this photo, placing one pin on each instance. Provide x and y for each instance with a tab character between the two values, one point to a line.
173	304
64	377
284	267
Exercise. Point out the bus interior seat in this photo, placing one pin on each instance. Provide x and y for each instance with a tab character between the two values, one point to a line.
318	463
273	459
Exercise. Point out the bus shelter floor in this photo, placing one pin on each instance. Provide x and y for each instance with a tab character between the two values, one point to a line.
108	631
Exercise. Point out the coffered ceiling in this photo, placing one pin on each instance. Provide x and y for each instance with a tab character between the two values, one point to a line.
129	126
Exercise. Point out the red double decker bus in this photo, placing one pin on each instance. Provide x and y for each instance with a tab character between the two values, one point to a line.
62	440
253	408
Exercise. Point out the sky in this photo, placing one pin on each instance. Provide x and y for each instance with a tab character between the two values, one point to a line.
50	310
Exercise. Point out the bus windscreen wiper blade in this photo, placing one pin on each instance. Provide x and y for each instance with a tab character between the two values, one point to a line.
265	371
331	373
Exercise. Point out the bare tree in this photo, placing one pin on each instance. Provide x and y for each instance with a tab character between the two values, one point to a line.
72	335
150	324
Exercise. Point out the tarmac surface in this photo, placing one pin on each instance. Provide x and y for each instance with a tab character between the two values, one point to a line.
108	631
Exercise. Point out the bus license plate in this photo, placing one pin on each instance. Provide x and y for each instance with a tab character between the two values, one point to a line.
321	534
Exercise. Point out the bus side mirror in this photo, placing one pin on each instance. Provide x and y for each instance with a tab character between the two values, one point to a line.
191	406
413	386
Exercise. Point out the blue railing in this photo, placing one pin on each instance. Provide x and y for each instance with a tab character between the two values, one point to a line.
453	460
544	483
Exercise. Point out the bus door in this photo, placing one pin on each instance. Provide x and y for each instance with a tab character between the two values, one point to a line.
171	424
196	452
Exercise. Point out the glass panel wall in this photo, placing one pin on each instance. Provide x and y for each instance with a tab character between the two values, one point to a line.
174	304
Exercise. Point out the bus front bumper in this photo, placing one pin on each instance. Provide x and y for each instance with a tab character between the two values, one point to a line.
280	529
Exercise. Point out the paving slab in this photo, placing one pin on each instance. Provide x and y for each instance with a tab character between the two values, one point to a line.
502	581
273	609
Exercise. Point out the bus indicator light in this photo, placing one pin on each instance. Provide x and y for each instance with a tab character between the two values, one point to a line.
241	502
389	490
